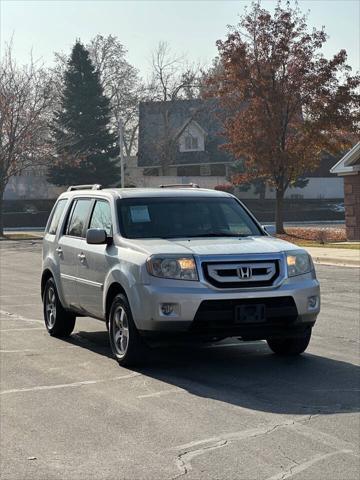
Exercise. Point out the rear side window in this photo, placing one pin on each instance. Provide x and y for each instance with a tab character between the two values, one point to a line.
101	217
76	226
56	215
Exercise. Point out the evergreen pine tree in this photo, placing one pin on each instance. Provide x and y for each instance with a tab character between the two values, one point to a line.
86	148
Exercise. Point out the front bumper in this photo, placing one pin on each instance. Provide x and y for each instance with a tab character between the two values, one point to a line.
194	299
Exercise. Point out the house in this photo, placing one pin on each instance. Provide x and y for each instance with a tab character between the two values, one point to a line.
181	138
321	184
348	167
181	141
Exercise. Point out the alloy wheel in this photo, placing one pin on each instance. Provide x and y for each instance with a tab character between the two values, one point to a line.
120	331
50	307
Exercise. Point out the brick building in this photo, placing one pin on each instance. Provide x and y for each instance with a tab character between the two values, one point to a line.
349	168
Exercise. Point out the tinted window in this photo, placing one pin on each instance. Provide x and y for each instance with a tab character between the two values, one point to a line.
56	215
79	217
184	217
101	217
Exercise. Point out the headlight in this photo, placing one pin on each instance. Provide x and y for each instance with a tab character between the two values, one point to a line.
298	263
174	267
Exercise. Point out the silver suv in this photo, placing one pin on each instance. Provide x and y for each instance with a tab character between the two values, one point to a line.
174	262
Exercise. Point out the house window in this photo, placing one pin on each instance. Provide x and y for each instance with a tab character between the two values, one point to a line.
191	143
189	171
192	137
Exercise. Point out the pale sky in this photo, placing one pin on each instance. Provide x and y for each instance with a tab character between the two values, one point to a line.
191	27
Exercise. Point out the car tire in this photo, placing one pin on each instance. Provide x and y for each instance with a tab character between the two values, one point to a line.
290	346
58	321
126	343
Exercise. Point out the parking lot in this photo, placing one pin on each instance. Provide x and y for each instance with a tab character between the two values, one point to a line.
221	411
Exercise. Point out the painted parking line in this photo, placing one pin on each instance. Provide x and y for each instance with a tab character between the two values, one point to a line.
15	316
68	385
163	392
11	305
43	352
300	467
29	329
22	295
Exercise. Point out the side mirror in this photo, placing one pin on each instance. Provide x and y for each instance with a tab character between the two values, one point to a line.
96	236
270	229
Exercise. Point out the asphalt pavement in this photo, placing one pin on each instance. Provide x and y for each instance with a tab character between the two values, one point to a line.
222	411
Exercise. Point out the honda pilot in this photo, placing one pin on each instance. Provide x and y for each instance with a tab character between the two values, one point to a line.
173	261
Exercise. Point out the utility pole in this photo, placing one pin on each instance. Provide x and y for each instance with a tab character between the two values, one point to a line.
121	147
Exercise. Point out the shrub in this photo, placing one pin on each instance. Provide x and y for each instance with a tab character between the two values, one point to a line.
225	187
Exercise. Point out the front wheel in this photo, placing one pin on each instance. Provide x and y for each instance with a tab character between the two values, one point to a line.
58	322
125	341
290	346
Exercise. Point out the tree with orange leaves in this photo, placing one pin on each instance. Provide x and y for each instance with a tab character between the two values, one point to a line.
284	103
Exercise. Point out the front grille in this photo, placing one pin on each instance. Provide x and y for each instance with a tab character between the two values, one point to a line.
219	315
259	273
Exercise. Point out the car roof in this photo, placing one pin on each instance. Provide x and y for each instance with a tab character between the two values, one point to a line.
145	193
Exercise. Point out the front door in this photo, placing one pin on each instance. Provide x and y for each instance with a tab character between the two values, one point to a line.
69	246
95	262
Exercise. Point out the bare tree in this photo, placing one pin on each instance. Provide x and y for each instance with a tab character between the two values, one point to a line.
119	79
25	102
172	79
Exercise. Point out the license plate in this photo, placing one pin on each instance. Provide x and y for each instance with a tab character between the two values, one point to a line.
250	313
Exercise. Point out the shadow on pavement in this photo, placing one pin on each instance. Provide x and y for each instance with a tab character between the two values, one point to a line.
248	375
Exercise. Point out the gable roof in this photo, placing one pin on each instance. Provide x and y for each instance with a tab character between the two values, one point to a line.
188	122
349	164
201	112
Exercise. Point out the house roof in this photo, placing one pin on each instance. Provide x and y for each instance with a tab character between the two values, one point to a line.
181	113
349	164
188	122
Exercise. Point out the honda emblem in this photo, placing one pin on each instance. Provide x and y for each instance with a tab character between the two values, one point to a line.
244	272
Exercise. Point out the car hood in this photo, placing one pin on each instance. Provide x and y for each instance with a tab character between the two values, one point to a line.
212	246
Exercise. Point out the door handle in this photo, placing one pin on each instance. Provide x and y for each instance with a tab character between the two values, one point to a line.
59	251
81	256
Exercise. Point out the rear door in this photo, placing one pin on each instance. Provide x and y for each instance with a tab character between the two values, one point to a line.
69	246
96	261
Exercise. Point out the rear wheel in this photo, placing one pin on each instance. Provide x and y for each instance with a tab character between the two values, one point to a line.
289	346
58	322
125	341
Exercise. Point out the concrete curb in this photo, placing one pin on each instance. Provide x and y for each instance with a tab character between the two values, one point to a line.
336	262
335	256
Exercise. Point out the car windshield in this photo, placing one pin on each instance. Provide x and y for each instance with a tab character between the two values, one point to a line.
188	217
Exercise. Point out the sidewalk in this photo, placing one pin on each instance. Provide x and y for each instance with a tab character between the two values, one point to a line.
335	256
23	235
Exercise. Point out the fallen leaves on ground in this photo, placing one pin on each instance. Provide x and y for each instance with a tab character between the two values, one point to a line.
320	235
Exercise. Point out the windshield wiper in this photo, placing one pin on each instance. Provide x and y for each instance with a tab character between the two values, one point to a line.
212	234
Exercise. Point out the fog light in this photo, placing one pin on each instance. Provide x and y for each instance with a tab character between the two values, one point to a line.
168	308
313	302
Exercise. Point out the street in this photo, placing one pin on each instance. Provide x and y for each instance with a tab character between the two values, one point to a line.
223	411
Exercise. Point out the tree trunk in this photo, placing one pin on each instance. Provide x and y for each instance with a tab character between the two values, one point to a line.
279	211
262	191
2	190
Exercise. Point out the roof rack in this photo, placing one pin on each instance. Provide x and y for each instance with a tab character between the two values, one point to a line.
95	186
180	185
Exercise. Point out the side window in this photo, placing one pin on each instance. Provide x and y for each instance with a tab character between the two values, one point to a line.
76	226
101	217
56	215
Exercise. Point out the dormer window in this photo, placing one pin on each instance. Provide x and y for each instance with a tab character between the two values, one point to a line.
191	143
192	138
